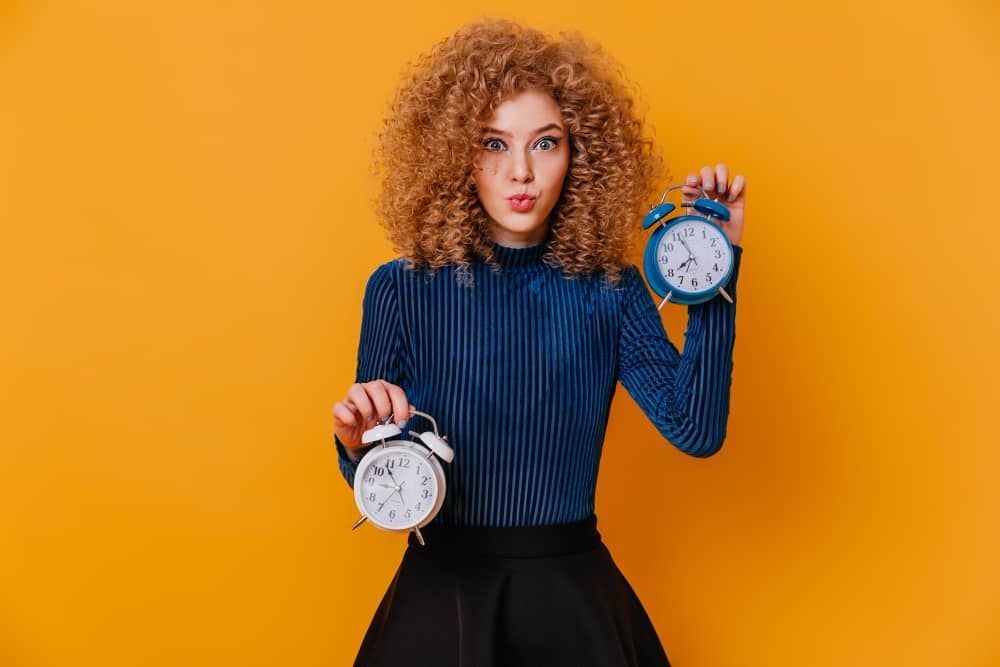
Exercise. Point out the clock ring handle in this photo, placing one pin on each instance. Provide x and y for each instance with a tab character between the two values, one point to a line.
709	207
432	420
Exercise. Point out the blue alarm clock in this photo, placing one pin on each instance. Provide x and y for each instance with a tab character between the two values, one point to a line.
688	258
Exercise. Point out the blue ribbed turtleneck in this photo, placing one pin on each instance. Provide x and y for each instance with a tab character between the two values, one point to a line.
519	370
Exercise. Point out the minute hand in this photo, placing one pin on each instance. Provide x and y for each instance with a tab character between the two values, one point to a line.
690	254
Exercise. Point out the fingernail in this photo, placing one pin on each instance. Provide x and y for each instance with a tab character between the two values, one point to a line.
691	180
708	185
720	187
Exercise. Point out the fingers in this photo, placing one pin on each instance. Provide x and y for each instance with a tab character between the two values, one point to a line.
690	189
345	414
721	178
737	188
715	182
400	406
378	399
708	179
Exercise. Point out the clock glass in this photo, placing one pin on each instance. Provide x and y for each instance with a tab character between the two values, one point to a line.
398	488
693	256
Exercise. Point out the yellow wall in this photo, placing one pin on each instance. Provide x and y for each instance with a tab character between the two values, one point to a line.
186	234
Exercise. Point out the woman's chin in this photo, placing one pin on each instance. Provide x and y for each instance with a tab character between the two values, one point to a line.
519	233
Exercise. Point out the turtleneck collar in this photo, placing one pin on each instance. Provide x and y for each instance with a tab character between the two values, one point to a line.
509	257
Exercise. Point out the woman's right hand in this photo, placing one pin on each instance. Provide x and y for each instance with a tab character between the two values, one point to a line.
365	402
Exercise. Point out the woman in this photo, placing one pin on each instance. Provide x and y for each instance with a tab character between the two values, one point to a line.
514	173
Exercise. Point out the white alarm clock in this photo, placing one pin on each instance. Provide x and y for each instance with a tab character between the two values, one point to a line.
399	485
689	258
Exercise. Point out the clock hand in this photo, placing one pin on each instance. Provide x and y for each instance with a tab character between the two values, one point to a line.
394	487
384	501
397	488
691	257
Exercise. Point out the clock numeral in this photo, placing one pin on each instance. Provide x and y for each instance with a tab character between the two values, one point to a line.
419	466
670	273
715	267
718	254
424	481
405	463
380	471
682	280
392	514
689	231
426	493
371	497
408	514
708	277
418	506
712	245
390	463
665	259
670	247
694	282
370	481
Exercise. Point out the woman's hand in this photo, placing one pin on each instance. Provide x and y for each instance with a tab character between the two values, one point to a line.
731	195
365	402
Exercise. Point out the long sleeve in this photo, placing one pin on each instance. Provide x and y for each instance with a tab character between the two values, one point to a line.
519	367
686	396
380	348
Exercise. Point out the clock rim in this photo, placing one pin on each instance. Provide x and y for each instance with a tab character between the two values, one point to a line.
421	451
659	283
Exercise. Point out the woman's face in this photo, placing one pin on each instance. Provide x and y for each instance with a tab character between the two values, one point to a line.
520	170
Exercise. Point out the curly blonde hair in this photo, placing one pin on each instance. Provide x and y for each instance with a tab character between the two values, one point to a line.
424	152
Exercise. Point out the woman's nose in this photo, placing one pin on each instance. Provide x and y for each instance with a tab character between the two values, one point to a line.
521	168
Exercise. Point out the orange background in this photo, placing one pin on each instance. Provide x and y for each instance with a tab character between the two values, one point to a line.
186	236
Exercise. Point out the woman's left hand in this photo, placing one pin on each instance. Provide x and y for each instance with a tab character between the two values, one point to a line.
733	196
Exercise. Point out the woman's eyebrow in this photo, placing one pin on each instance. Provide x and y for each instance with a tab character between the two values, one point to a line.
550	126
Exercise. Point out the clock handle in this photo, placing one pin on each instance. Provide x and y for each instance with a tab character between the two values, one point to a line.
681	185
359	522
420	538
725	295
433	421
708	207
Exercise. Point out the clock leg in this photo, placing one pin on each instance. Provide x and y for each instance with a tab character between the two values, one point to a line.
665	299
725	295
420	538
359	522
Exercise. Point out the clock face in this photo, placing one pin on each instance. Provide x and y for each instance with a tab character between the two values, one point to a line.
693	256
398	488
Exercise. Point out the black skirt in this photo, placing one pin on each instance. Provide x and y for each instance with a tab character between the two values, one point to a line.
518	597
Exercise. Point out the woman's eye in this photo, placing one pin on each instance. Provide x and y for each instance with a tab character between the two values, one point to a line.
493	145
546	143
